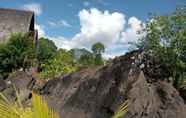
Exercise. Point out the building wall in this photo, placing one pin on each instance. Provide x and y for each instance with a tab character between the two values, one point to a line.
15	21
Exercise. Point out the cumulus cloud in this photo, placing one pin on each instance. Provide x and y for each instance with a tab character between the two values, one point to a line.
35	7
61	42
105	27
61	23
131	33
97	26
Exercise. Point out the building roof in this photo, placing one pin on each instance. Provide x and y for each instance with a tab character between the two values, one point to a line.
12	21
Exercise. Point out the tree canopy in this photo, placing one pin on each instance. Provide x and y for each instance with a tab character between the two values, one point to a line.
47	50
18	52
166	39
61	63
98	48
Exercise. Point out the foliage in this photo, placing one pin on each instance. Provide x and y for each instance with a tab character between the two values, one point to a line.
121	111
98	60
166	39
98	48
40	109
86	60
62	63
46	50
82	57
18	52
69	61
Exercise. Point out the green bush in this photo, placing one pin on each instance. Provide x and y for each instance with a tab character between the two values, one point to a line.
18	52
46	50
62	63
166	39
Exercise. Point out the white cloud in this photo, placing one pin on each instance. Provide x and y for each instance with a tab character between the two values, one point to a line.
40	29
105	27
61	23
61	42
53	24
65	23
35	7
86	3
131	33
97	26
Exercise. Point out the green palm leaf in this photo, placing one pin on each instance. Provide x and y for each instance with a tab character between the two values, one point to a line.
39	109
121	110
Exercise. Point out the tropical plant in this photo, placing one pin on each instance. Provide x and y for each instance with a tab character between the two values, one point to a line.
62	63
39	109
121	110
18	52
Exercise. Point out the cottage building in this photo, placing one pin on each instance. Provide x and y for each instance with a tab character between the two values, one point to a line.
16	21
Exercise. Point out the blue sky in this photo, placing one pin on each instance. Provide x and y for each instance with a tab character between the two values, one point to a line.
80	23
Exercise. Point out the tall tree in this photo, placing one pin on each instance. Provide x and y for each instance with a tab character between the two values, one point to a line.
166	39
47	50
83	57
98	48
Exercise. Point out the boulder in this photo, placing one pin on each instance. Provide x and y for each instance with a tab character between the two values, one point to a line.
182	91
19	82
2	84
97	92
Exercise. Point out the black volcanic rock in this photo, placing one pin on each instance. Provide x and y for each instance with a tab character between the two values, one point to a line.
98	92
2	84
19	82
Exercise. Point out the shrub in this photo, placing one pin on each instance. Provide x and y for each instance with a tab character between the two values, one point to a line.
18	52
61	64
166	39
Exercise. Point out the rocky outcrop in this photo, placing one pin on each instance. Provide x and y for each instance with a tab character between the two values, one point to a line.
98	92
2	84
182	91
19	82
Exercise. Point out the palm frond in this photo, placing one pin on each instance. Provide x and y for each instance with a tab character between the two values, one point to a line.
121	110
40	109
